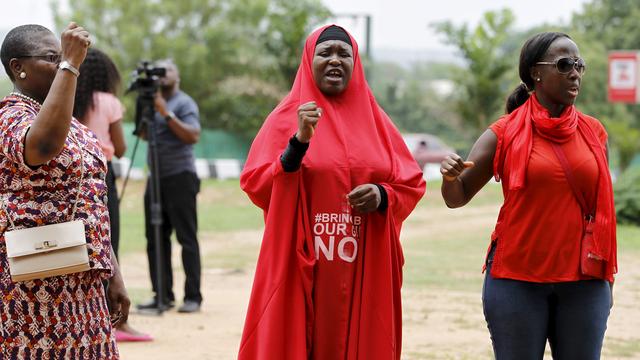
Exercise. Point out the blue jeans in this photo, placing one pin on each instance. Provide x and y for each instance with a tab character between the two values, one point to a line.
522	315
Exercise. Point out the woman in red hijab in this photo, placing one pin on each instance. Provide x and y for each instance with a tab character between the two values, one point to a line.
552	258
335	181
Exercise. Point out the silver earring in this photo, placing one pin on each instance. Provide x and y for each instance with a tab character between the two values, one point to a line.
538	79
23	75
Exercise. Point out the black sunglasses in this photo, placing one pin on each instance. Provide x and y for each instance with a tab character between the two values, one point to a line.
566	64
50	58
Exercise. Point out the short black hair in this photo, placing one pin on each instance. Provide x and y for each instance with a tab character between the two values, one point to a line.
20	41
532	51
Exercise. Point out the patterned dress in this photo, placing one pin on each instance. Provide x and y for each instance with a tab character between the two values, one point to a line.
61	317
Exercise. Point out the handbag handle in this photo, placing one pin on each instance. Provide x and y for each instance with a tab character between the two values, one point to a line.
572	181
75	204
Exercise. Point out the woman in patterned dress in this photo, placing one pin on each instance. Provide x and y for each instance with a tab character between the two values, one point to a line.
42	152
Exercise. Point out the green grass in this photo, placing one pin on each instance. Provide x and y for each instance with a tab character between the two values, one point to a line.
222	206
625	348
449	261
628	238
235	257
451	258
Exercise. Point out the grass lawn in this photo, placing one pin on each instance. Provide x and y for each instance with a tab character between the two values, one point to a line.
450	257
222	206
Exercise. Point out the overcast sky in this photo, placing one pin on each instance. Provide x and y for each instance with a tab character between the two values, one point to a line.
395	23
405	23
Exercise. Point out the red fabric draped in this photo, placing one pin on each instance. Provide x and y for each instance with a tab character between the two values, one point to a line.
514	149
355	142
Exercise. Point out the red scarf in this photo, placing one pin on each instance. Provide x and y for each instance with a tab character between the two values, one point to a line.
514	149
354	143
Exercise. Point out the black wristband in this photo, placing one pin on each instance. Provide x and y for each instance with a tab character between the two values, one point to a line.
384	201
291	158
297	144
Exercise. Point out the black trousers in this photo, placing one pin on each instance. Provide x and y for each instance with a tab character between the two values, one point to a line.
113	208
114	213
178	200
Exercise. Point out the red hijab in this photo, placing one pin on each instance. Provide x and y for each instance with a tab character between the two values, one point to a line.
355	143
514	149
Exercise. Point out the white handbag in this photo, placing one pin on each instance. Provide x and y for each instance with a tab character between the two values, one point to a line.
48	250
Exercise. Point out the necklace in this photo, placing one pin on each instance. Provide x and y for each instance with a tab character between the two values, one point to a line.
25	97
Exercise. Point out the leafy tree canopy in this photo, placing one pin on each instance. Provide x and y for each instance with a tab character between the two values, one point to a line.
236	57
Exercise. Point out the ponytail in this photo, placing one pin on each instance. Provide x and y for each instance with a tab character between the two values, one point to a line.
518	97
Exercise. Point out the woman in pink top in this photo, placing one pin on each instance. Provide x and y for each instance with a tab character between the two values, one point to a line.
97	107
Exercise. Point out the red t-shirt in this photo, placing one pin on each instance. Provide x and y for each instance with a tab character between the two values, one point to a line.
539	240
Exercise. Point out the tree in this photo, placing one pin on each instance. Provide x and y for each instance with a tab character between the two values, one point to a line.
483	85
288	26
235	56
602	26
409	98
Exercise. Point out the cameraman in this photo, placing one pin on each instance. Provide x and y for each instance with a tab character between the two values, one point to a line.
177	127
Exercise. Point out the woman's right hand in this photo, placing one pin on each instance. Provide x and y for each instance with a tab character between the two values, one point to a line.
452	166
308	116
75	42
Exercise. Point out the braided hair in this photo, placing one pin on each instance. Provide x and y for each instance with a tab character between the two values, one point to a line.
20	41
97	73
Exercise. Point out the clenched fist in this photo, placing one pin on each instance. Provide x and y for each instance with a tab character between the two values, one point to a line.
452	166
308	117
74	41
365	198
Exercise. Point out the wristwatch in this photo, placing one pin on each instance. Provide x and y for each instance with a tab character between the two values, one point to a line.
170	116
65	65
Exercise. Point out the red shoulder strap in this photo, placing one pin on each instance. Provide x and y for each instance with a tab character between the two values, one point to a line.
571	179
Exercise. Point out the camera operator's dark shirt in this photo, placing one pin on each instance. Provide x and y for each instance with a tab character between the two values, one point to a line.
174	155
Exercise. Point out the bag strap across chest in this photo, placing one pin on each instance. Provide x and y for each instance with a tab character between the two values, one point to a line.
564	162
75	204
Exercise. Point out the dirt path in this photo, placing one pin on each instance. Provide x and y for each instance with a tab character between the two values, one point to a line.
437	324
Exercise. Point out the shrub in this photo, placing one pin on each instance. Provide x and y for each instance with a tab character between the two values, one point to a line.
627	195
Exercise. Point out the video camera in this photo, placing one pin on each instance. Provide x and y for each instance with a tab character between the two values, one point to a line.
146	82
145	77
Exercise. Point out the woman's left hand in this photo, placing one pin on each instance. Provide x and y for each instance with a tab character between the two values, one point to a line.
118	300
365	198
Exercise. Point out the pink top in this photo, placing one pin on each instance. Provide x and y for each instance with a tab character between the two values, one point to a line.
106	110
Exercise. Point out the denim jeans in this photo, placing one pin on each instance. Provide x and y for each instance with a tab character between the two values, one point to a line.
522	316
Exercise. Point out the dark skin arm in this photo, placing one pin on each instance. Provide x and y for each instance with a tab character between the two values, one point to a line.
117	138
118	299
463	179
47	135
186	133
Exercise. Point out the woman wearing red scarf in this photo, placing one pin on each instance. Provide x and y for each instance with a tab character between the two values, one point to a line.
335	181
552	257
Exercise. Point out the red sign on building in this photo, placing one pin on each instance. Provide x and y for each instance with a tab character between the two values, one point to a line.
623	77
